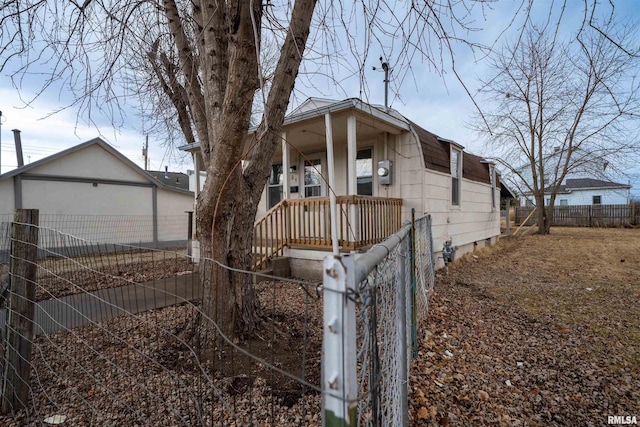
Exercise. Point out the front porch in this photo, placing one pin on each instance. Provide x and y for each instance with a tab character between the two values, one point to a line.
361	221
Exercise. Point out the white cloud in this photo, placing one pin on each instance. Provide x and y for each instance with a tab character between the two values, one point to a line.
438	104
43	134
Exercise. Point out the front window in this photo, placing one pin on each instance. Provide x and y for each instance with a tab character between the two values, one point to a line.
564	202
364	172
276	179
597	200
492	177
456	169
312	178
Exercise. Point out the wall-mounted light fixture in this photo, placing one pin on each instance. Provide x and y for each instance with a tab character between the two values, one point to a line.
293	168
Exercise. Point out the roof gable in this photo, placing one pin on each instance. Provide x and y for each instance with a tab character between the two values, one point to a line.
93	160
312	104
50	164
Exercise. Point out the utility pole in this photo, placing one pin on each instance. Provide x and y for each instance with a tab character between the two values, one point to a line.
145	152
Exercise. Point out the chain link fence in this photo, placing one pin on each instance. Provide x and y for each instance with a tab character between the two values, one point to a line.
158	231
382	298
114	338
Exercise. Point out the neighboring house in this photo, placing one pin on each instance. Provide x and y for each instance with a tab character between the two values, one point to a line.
177	180
585	191
585	183
196	181
384	166
94	192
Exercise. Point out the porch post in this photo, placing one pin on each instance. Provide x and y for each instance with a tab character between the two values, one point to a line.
285	167
196	166
332	182
194	245
508	230
352	179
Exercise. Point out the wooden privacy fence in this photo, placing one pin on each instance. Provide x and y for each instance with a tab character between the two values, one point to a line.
586	215
362	221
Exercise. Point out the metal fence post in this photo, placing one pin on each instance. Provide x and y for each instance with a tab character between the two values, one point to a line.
339	376
414	314
403	283
16	382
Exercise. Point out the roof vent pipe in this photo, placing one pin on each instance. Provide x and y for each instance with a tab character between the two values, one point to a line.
16	138
166	172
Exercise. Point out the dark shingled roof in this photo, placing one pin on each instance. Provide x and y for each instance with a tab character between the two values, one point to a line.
437	156
174	179
475	168
436	153
582	183
590	183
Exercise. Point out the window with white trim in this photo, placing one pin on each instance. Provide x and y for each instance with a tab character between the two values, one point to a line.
364	171
492	177
456	175
312	178
276	179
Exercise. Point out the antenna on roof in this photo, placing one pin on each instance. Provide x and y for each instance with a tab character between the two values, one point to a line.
385	68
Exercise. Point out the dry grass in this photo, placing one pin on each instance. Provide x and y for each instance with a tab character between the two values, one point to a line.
556	316
575	276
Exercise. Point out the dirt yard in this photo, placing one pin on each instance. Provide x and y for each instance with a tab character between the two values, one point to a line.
536	331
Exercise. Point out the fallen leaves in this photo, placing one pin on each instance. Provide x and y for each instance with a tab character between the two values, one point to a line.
530	346
423	414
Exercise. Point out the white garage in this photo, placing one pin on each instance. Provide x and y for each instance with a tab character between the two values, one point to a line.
94	192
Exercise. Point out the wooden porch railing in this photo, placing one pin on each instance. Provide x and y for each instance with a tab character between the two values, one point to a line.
270	235
362	221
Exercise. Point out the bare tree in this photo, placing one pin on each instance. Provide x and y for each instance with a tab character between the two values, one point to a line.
563	106
196	66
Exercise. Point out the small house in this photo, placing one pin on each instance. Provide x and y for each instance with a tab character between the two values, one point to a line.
585	191
380	166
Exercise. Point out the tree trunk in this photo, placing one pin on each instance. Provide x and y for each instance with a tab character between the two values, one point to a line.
228	204
548	219
229	295
543	222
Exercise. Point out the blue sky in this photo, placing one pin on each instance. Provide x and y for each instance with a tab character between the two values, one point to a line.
437	102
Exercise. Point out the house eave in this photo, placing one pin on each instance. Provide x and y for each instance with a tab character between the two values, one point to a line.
26	169
351	103
616	187
573	189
